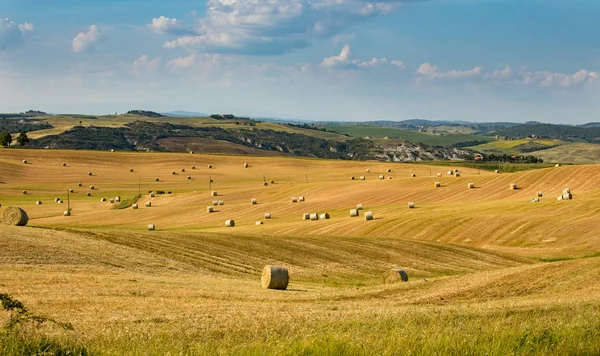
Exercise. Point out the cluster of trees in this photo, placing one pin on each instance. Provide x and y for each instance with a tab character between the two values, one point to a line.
18	125
6	139
511	159
145	113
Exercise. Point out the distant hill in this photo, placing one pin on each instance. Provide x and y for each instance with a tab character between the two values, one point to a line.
591	124
567	133
182	113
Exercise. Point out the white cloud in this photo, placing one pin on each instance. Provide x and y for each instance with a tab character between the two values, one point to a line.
271	26
427	70
165	25
557	79
11	34
181	62
504	73
84	41
145	64
339	62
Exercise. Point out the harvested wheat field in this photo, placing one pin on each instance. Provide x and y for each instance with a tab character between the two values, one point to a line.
489	272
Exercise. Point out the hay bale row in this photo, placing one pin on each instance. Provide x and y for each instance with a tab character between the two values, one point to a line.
369	215
275	277
394	276
15	216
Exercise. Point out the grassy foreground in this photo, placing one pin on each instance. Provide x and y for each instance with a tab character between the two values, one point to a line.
490	271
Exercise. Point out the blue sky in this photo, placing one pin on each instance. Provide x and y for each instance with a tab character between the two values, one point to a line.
477	60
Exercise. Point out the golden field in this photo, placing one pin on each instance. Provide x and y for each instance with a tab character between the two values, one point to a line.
490	271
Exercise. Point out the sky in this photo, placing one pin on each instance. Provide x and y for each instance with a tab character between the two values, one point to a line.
350	60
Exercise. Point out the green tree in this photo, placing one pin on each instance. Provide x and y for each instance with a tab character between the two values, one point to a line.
22	139
5	139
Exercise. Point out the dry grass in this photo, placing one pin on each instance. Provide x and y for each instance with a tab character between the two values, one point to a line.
477	283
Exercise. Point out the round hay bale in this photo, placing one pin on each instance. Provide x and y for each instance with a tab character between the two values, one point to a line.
71	191
267	215
173	172
246	165
389	170
56	200
103	200
513	186
411	205
324	216
362	178
437	184
535	200
25	161
130	169
134	206
381	176
471	185
215	202
439	174
88	194
118	199
369	215
210	166
229	223
253	201
193	167
259	223
64	164
306	216
367	170
66	213
214	193
182	170
496	171
89	173
567	196
92	187
152	195
389	177
148	204
80	184
112	150
151	227
272	182
353	213
455	170
15	216
566	190
156	180
557	165
457	174
359	206
221	202
413	175
24	192
301	198
39	202
60	202
314	216
275	277
352	178
191	152
394	276
450	173
540	194
265	184
294	200
189	177
560	197
210	209
111	200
